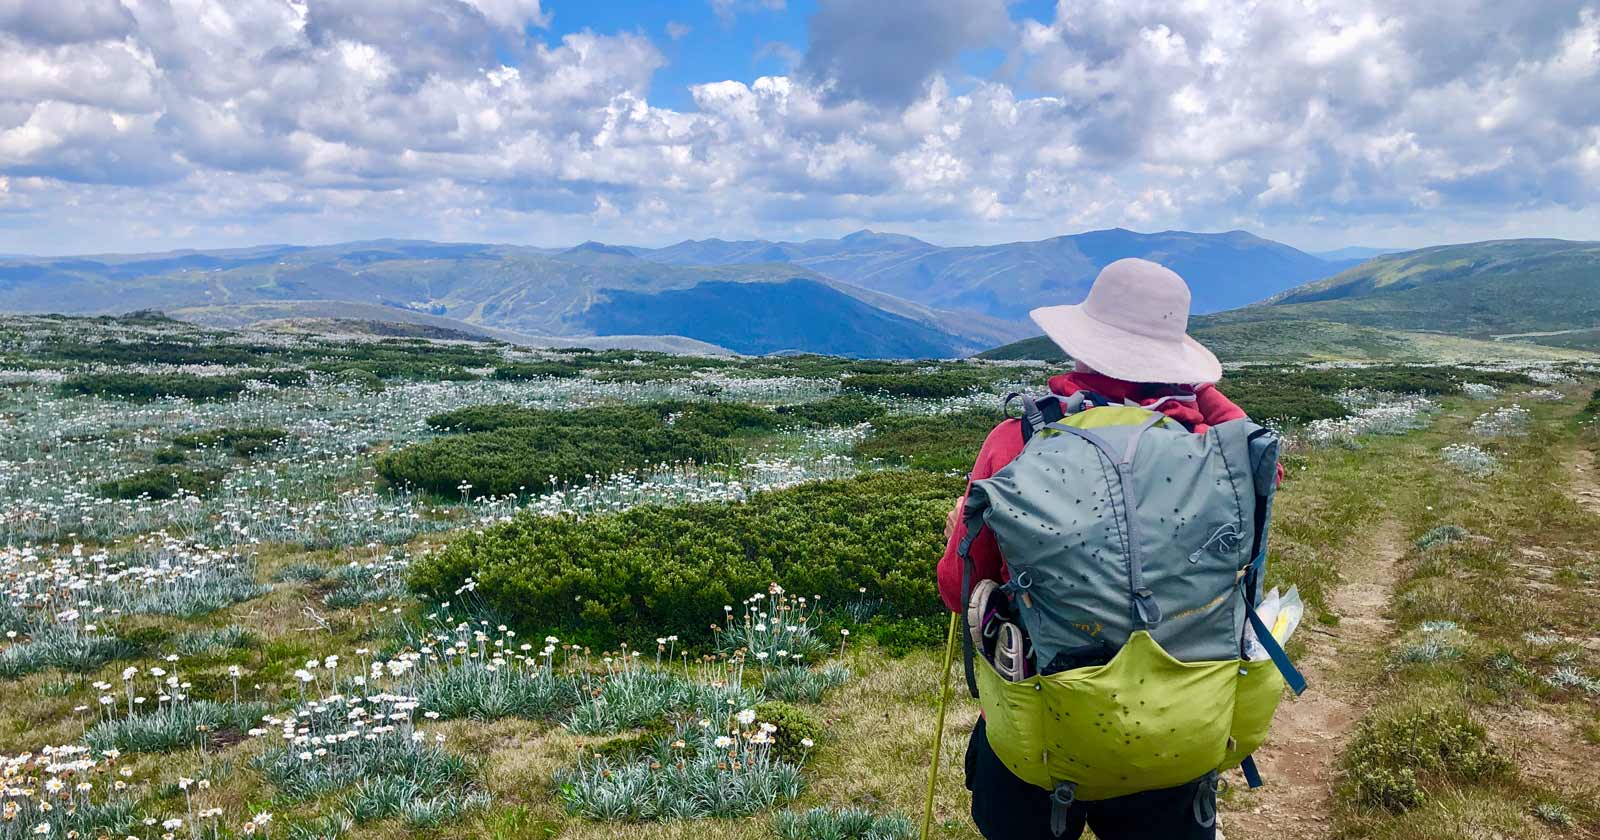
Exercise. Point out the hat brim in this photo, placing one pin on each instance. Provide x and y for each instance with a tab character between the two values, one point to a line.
1126	355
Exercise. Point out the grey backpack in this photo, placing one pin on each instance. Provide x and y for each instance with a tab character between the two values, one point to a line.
1136	550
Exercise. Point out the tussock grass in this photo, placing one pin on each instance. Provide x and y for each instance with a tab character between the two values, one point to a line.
177	725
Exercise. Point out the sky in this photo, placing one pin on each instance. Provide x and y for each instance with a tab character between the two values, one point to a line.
143	125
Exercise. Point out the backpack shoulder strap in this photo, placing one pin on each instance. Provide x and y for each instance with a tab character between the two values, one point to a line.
1041	411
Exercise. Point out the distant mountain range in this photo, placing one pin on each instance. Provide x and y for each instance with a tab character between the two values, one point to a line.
543	296
866	294
1224	270
1499	299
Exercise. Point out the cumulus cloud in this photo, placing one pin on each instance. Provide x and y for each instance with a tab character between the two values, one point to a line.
67	22
886	53
201	122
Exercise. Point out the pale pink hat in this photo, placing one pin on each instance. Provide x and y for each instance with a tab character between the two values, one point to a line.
1133	326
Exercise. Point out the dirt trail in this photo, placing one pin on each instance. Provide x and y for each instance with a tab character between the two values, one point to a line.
1299	761
1586	480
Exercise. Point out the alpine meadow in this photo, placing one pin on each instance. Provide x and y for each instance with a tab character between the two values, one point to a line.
799	420
282	583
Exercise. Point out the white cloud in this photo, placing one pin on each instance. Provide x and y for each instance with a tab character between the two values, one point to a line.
512	14
201	122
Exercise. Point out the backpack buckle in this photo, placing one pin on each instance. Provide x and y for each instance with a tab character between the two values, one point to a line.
1146	611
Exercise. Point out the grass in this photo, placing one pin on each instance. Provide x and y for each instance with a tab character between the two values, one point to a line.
1477	701
1481	689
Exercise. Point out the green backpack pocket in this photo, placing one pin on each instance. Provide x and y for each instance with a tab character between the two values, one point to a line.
1143	721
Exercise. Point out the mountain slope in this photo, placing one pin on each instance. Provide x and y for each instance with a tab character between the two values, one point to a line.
532	292
1481	289
1225	270
1487	299
1323	341
793	315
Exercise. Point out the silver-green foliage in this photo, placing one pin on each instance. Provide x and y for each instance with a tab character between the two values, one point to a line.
704	778
841	824
205	589
798	684
359	584
346	761
485	693
633	696
61	646
84	818
212	642
397	796
177	724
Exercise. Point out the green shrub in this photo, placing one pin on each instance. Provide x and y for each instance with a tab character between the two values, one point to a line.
795	726
1274	402
919	385
709	418
537	370
152	353
162	483
485	418
150	386
509	448
900	636
534	458
653	570
1391	755
1591	409
147	639
843	410
169	455
243	441
360	378
937	443
281	378
719	419
405	365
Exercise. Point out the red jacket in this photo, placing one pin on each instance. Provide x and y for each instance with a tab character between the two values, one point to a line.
1208	409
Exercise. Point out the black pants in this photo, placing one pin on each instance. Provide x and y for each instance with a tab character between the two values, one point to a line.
1005	807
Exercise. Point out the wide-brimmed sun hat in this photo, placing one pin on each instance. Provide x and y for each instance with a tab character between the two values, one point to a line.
1133	326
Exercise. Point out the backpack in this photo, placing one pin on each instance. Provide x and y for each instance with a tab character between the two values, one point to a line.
1129	535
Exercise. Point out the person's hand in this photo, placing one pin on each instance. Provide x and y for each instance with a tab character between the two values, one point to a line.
951	520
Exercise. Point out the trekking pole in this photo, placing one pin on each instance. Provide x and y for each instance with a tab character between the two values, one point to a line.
938	732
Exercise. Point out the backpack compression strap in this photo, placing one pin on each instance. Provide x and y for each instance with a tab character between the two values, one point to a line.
1251	583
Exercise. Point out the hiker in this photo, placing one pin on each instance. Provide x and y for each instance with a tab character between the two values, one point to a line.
1130	347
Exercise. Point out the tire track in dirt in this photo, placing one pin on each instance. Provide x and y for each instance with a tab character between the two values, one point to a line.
1300	759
